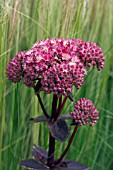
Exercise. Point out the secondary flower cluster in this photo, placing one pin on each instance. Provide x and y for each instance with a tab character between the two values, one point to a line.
84	112
59	63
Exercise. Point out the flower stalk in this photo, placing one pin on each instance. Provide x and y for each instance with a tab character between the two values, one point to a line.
42	106
51	138
68	146
61	106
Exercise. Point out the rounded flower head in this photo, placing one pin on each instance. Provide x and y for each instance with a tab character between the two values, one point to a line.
84	112
58	63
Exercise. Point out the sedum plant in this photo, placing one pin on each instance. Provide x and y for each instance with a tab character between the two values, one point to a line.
54	66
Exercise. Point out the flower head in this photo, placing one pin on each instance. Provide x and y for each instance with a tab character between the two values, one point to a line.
59	63
84	112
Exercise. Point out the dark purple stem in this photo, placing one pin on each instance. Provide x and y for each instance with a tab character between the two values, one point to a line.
42	106
68	146
60	102
60	108
52	139
62	105
54	107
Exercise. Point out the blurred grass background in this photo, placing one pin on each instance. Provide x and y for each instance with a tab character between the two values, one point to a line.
22	23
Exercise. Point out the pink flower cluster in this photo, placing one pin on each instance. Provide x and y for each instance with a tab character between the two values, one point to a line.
60	63
84	112
14	68
91	54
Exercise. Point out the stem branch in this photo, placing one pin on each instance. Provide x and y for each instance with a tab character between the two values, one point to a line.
42	106
60	108
68	146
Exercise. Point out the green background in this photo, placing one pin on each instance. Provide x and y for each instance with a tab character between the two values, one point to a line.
22	23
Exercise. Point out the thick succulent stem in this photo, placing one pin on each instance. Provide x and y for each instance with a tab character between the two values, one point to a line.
50	160
51	150
60	102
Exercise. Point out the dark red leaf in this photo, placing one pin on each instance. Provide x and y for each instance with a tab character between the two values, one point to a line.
71	165
65	165
64	116
44	119
38	119
32	164
59	129
39	154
